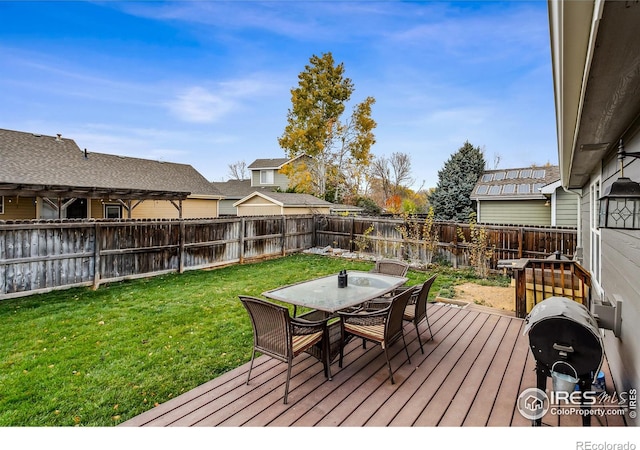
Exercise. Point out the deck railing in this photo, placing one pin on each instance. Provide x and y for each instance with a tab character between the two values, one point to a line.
538	279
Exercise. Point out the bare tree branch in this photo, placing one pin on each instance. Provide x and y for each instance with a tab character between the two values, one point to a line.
238	170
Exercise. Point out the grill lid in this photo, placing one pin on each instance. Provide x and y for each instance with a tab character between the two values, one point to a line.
562	307
561	329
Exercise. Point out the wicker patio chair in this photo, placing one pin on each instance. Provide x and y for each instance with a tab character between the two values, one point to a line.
277	334
381	326
391	267
416	310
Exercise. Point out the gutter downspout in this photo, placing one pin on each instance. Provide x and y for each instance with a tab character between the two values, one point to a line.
578	193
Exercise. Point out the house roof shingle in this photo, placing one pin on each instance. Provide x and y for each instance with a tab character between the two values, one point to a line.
32	159
269	163
237	189
288	199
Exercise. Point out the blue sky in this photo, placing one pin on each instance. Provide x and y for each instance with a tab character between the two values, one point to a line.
208	83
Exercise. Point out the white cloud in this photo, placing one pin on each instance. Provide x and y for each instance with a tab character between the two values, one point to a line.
199	105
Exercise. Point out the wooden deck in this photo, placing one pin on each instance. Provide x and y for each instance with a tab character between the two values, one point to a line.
470	375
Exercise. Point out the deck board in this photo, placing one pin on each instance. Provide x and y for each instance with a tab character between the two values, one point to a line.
470	374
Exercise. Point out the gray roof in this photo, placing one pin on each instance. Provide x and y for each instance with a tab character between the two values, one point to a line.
522	183
291	199
33	159
272	163
237	189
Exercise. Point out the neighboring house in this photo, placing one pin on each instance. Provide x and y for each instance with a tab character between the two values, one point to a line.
266	176
595	50
524	196
267	172
281	203
234	190
47	177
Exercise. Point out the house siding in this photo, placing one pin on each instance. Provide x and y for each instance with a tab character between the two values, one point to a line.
21	208
515	212
566	209
164	209
280	180
227	208
259	210
620	269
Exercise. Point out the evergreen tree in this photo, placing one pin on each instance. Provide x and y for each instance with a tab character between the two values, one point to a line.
451	198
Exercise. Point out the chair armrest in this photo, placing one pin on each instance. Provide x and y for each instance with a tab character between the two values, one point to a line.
364	317
303	326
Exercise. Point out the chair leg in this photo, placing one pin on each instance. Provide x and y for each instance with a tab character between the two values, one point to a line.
429	326
253	353
419	340
386	354
406	349
327	357
286	387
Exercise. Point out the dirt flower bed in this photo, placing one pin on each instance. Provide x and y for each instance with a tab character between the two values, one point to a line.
492	296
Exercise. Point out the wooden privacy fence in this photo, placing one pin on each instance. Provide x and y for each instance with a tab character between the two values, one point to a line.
405	239
40	256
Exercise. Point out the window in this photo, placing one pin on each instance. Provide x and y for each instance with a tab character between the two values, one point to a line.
266	176
112	211
482	190
1	205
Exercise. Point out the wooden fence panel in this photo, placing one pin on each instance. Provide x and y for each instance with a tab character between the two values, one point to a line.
37	256
209	243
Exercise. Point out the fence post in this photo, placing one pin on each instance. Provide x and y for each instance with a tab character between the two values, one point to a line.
181	246
96	256
351	235
284	235
242	231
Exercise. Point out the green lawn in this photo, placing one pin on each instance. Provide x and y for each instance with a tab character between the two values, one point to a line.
98	358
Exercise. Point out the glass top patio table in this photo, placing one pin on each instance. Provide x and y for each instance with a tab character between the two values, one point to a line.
324	294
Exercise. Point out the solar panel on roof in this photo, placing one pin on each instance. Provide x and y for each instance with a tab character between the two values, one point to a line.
538	173
494	190
526	173
498	176
482	190
524	188
508	188
487	177
512	174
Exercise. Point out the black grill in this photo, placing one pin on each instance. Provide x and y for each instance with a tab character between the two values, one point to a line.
563	335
